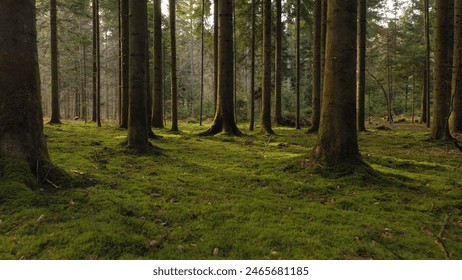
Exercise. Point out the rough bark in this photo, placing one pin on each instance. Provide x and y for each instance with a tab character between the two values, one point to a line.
137	132
174	85
316	77
337	143
224	117
266	80
125	64
277	118
55	112
456	99
21	130
361	66
443	65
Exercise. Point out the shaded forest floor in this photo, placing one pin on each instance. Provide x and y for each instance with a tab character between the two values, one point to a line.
238	198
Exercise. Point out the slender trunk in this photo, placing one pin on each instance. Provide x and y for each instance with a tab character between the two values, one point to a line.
425	107
361	64
298	67
98	66
174	90
119	107
266	82
202	62
148	84
443	64
277	118
252	71
125	64
55	112
316	78
158	108
456	98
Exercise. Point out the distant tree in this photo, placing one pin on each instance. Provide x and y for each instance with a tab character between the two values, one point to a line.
125	62
224	117
277	118
266	82
174	83
361	65
456	98
137	121
337	143
443	68
158	97
21	132
298	67
96	115
55	112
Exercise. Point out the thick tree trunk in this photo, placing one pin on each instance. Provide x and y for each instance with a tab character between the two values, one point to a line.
137	132
266	81
361	64
277	118
21	130
158	100
174	85
456	99
55	112
252	71
316	78
224	117
443	65
337	143
125	65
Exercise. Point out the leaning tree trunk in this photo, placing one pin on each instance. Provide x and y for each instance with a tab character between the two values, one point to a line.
174	83
224	116
443	65
361	64
125	62
316	78
137	132
456	99
21	131
158	99
277	119
55	114
266	82
337	145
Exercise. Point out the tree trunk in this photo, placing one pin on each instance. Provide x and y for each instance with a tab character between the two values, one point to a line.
98	65
55	112
224	116
456	99
125	64
21	132
361	64
252	71
337	145
215	52
202	61
443	65
316	78
137	132
157	112
278	83
298	77
425	103
174	85
266	82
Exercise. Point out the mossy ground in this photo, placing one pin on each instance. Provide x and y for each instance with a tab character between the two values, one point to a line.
238	198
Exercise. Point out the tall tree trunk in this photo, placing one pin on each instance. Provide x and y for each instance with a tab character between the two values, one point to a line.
125	64
316	78
83	92
277	118
266	82
224	116
120	83
148	84
361	64
215	52
55	112
337	143
137	132
202	61
158	100
425	103
443	64
174	85
456	99
252	71
98	65
21	135
298	67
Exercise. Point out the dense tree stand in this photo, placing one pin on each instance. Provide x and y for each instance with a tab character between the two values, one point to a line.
337	146
224	120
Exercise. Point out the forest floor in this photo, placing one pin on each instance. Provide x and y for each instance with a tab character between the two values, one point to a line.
238	198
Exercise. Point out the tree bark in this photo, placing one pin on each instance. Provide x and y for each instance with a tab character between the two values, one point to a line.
443	65
224	117
266	81
21	130
361	64
456	99
278	83
316	78
125	64
55	111
337	145
158	99
174	85
215	52
252	71
137	132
